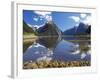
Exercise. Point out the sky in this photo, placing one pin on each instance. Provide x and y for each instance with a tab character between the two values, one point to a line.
64	20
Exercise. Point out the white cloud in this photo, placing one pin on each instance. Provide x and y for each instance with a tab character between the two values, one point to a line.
77	24
42	13
48	18
83	15
41	17
35	19
75	18
87	20
46	15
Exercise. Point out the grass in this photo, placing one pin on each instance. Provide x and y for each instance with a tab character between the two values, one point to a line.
28	39
25	36
54	64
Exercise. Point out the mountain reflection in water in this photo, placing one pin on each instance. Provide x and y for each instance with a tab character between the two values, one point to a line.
55	48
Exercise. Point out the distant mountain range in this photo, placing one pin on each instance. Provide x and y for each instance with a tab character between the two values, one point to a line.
50	29
78	30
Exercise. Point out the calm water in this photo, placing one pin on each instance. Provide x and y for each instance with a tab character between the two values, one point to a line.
55	48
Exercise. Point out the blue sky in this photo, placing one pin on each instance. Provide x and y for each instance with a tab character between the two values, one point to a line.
64	20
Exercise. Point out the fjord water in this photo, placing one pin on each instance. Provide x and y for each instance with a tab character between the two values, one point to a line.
57	48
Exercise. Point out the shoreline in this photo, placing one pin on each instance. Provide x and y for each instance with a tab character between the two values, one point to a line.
54	64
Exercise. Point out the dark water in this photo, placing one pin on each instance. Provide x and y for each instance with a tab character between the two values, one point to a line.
56	48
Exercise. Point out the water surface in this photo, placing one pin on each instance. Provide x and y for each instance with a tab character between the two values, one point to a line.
55	48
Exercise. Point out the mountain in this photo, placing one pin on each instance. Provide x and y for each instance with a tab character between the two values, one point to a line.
79	30
88	29
33	27
70	31
82	28
49	29
27	29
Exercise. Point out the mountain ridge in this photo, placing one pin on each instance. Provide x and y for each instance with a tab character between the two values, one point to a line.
49	29
78	30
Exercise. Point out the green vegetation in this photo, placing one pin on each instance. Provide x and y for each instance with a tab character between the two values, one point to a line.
28	30
29	36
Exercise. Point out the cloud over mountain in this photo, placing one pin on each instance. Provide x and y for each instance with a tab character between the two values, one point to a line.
35	19
45	15
75	18
83	15
84	18
87	20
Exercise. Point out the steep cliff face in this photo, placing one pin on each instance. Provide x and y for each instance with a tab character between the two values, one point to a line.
49	29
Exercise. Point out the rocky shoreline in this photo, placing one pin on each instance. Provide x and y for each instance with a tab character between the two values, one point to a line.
54	64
